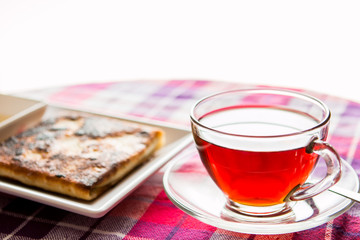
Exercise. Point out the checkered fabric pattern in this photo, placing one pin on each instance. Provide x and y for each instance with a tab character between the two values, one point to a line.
147	213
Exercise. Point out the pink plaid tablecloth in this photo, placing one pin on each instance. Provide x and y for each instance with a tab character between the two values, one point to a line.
147	213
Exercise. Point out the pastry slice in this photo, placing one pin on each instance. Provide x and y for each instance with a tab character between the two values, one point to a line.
77	155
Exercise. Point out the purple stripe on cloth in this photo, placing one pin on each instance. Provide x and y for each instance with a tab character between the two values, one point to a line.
352	110
149	230
191	234
356	161
346	227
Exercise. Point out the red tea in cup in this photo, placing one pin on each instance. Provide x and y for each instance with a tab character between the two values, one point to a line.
260	153
250	176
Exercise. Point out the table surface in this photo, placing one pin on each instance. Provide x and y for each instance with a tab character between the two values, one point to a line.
147	213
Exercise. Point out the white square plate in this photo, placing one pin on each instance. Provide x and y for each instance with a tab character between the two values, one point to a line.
176	139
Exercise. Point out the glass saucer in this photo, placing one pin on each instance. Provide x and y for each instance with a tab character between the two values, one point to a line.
190	188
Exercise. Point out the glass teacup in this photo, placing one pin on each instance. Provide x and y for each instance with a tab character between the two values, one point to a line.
260	146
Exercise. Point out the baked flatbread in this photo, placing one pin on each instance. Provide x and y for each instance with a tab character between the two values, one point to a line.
80	156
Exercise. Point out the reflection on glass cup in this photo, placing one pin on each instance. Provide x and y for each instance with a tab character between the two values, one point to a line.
260	146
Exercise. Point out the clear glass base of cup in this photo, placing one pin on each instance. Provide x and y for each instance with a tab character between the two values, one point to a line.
234	210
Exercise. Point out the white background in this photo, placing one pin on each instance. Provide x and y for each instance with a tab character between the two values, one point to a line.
304	44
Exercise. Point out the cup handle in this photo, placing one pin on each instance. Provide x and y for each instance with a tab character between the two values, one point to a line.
333	164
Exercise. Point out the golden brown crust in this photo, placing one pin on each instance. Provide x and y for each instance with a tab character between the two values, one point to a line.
80	156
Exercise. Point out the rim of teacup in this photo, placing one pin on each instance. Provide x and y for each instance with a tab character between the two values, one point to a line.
323	122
